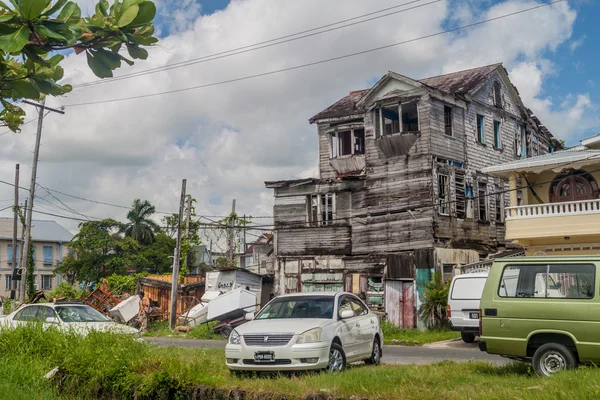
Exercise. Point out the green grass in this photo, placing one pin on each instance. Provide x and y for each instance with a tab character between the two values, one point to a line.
414	337
106	366
203	332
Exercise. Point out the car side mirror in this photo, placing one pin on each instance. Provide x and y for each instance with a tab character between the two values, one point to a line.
249	316
347	314
52	320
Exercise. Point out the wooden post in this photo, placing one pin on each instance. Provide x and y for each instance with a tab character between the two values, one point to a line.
231	234
14	239
175	277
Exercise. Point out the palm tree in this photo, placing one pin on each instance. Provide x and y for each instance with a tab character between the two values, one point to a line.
141	227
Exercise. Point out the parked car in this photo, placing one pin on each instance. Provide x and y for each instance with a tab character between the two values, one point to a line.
463	304
306	331
543	310
79	318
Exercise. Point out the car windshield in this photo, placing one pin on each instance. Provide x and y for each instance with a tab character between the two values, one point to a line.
298	307
80	314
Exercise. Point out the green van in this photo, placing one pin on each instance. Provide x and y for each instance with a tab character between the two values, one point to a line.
543	310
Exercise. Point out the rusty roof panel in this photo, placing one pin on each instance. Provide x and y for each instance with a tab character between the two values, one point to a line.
344	107
460	82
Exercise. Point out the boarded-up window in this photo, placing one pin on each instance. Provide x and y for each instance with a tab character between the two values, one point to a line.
459	189
482	201
497	94
443	194
499	200
448	120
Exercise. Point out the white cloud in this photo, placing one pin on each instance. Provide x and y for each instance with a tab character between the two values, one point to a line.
228	139
575	44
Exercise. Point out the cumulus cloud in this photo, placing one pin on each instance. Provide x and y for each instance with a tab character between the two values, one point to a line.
228	139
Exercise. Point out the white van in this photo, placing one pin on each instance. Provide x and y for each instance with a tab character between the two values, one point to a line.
463	304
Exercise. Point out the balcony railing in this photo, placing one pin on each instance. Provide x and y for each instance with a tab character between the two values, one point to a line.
554	209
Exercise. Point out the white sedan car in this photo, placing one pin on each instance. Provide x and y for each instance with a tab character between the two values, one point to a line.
75	317
306	331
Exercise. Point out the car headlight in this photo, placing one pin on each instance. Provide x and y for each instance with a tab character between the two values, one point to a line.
310	336
234	337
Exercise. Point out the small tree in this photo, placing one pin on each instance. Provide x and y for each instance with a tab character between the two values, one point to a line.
435	300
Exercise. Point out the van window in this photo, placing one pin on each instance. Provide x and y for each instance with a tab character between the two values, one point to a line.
467	288
571	281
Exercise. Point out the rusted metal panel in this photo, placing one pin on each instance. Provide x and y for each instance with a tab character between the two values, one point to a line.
408	309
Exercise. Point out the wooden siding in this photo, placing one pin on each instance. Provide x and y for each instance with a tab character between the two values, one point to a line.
315	241
442	145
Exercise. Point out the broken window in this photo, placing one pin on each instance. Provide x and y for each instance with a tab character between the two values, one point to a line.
499	196
443	194
359	141
320	209
519	198
388	119
497	135
459	188
497	94
448	120
480	133
447	272
523	142
482	201
469	196
345	143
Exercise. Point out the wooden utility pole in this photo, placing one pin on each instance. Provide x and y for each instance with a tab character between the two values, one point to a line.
188	214
22	284
231	234
15	273
36	152
175	277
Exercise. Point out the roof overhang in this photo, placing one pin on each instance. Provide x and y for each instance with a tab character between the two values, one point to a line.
555	162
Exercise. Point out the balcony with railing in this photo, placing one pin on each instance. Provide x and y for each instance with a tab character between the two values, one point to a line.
561	220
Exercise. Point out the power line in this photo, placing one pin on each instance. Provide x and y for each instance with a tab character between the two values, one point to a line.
315	62
261	45
24	123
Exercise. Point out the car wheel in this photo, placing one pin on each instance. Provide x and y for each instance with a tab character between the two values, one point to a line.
225	332
467	337
552	358
375	358
337	358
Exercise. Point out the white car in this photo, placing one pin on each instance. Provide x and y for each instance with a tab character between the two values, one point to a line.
75	317
305	331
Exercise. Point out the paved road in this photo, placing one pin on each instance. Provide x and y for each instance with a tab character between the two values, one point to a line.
454	350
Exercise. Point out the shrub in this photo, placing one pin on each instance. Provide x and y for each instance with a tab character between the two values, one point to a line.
119	284
435	300
65	290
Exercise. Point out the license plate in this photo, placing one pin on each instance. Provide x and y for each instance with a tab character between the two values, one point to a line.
264	357
474	315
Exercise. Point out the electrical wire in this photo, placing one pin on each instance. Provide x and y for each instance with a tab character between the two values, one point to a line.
261	45
296	67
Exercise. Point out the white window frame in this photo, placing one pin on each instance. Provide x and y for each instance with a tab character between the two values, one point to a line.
42	282
335	144
319	199
400	123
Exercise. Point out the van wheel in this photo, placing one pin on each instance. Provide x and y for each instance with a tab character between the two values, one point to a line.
552	358
467	337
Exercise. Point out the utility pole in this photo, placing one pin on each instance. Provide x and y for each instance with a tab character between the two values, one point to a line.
14	239
25	250
175	277
231	234
245	249
188	213
22	284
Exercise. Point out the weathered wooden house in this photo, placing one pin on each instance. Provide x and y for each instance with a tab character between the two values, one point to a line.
400	191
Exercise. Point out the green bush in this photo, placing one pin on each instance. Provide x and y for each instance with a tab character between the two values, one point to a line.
119	284
435	300
64	290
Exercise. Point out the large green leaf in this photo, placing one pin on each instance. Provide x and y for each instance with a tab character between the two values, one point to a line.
55	59
31	9
49	87
146	14
70	12
128	16
24	88
100	10
128	3
98	66
15	41
112	60
59	73
57	6
6	17
49	33
137	52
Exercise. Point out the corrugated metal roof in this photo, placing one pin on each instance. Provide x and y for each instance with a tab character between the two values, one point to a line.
343	107
41	231
545	161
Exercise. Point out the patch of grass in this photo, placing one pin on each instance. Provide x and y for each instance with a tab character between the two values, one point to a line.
202	332
107	366
414	337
